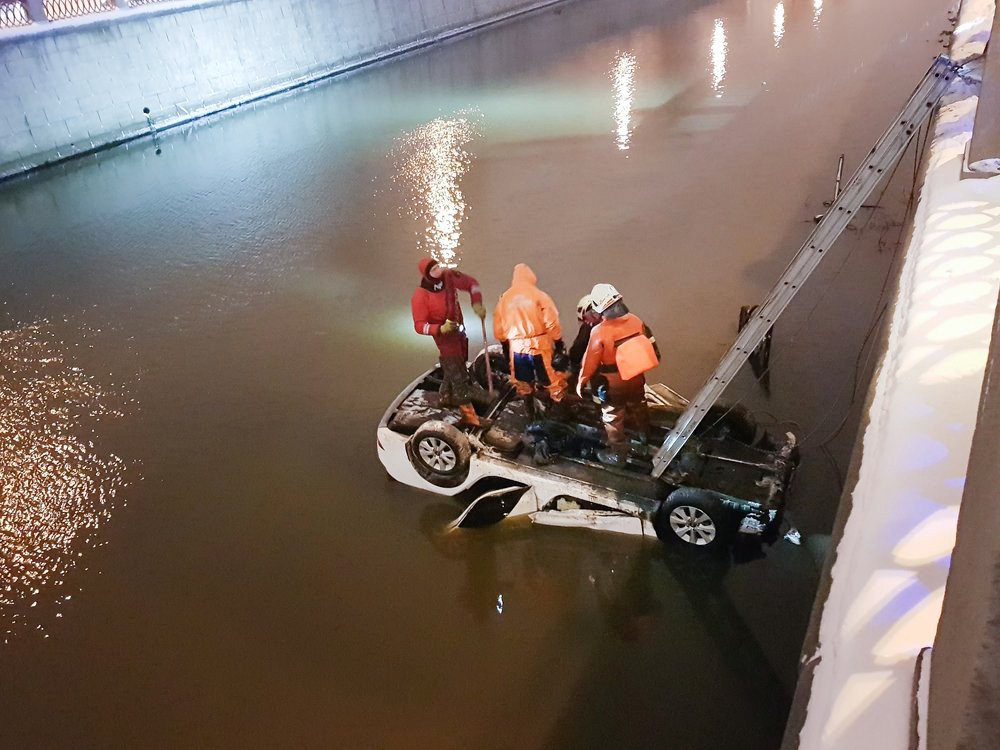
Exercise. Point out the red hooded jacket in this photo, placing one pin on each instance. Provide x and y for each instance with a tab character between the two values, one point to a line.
436	300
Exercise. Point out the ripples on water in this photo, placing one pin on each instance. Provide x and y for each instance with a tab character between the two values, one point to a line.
57	488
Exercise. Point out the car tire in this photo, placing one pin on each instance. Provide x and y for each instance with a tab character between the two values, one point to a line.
694	518
498	364
440	453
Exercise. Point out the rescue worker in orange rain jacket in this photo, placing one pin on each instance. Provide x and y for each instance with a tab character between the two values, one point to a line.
622	401
437	313
527	321
587	318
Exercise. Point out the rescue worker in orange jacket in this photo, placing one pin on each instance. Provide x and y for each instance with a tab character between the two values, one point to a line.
527	321
587	319
437	313
621	349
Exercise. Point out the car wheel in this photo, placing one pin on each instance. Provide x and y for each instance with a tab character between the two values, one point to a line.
440	453
498	365
694	518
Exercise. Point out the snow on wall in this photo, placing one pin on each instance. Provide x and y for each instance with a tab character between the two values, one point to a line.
892	562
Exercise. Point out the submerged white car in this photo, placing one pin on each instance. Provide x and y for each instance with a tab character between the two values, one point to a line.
730	479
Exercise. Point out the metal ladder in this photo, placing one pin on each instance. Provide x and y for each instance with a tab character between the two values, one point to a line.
888	149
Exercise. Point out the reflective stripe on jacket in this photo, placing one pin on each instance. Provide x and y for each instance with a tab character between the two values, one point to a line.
431	308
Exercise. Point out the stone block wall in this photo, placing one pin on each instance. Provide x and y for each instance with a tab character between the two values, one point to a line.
70	87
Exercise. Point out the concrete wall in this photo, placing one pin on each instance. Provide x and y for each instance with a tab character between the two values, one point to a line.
964	706
984	149
72	87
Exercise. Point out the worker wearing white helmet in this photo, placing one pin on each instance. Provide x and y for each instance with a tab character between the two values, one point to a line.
587	318
622	349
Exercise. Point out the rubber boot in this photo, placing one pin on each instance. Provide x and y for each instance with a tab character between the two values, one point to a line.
471	419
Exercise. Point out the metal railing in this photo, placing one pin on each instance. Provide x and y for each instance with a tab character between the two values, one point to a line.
13	13
57	10
18	13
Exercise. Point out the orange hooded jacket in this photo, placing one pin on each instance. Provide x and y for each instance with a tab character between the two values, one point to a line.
526	316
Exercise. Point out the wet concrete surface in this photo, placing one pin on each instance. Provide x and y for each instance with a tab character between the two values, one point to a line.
234	300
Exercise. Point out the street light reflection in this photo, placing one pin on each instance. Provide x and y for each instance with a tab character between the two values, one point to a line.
720	49
56	489
431	161
817	12
623	77
779	24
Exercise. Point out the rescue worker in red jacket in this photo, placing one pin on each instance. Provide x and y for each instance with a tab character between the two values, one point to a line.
437	313
621	349
526	320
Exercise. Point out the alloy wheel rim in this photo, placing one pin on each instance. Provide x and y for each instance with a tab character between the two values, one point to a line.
693	525
437	454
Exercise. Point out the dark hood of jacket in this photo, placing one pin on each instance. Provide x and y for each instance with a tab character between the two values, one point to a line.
430	284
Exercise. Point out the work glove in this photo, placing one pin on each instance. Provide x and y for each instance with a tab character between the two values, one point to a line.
449	326
478	308
560	360
560	345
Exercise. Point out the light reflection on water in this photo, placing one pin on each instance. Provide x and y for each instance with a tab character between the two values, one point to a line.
431	161
817	12
779	24
623	78
720	49
57	489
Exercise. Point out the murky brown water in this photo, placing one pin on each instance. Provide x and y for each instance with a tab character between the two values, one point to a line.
223	323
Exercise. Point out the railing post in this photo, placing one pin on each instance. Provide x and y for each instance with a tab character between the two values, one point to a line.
36	11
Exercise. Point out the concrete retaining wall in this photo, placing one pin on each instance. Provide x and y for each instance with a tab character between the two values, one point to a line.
70	88
965	666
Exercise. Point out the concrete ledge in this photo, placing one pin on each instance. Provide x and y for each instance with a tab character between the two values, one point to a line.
964	701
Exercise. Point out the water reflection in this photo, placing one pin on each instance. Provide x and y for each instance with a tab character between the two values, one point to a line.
431	161
779	24
503	560
720	49
56	488
817	12
623	79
